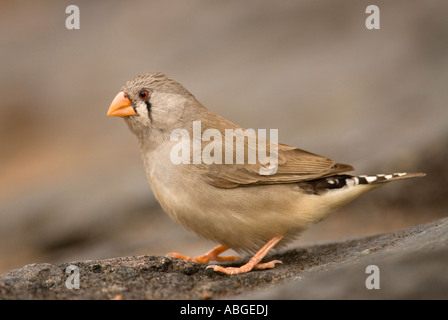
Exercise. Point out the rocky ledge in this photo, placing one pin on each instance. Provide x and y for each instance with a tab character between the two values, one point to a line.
409	264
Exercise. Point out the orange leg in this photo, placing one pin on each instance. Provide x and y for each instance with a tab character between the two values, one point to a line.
254	262
209	256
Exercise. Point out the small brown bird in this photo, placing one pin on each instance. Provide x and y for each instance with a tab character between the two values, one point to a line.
247	204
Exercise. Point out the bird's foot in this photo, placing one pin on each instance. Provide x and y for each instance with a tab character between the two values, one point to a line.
254	262
212	255
245	268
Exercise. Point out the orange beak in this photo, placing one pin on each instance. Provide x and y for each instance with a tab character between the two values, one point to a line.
121	106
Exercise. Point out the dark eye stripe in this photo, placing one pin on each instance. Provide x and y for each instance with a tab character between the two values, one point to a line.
148	106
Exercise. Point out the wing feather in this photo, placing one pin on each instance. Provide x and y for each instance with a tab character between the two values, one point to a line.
294	165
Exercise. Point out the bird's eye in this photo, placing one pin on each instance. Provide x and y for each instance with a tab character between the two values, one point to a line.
143	94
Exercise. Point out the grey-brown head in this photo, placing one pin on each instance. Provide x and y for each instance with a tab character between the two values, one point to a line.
152	102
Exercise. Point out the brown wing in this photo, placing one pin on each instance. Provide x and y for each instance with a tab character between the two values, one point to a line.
294	165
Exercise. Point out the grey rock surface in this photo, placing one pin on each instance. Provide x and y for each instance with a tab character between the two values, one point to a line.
412	265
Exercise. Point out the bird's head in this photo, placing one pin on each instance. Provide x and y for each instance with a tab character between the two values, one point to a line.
152	102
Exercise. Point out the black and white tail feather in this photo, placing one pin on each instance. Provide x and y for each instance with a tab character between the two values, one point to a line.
340	181
343	181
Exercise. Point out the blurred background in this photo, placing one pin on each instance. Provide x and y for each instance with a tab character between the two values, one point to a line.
72	184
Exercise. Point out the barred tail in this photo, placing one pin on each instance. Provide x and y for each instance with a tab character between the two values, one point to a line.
341	181
381	178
